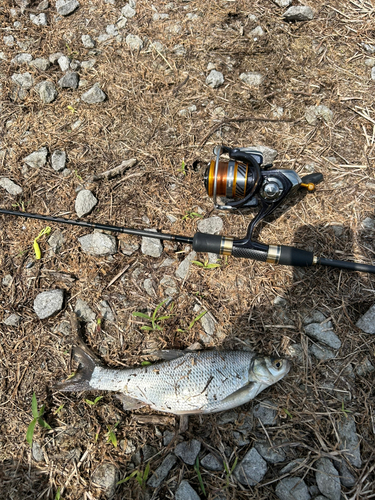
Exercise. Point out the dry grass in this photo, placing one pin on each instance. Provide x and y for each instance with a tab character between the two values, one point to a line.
320	62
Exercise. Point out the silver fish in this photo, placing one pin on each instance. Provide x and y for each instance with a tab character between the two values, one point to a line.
192	382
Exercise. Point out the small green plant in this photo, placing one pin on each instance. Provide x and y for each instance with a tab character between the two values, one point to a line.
192	323
111	436
78	176
58	494
287	412
59	409
182	169
205	264
71	109
37	414
154	319
93	403
141	477
345	412
196	468
229	472
96	437
20	205
191	215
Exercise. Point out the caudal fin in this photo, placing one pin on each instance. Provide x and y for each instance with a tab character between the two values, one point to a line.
81	379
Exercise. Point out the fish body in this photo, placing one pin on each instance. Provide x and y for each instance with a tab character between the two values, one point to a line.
192	382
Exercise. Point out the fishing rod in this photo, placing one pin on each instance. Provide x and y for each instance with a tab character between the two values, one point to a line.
241	182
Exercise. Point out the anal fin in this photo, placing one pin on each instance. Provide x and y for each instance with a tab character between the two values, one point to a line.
130	403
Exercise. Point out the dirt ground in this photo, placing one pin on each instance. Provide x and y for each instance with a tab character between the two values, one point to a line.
304	64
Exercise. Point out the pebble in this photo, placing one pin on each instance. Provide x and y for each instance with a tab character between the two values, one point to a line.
66	7
88	42
40	63
327	479
313	113
69	80
134	42
367	322
187	111
37	452
370	49
9	40
48	303
209	326
127	248
313	317
299	13
183	268
212	462
292	488
251	469
64	63
256	32
186	492
167	437
168	281
179	50
58	160
128	11
148	286
282	3
151	246
269	453
24	80
46	91
98	244
39	20
373	73
85	202
106	476
364	368
106	311
266	411
291	465
83	311
215	79
369	223
148	452
94	96
88	64
212	225
37	159
253	79
162	471
22	59
43	5
56	241
323	333
10	186
349	440
321	352
346	477
7	280
269	154
53	58
12	320
188	451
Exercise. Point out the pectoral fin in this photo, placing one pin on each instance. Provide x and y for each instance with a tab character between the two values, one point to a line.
130	403
243	395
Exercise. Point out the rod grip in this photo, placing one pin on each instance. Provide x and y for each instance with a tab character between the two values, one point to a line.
204	242
291	256
249	253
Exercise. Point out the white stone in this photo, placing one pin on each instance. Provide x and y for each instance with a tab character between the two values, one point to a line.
128	11
215	79
85	202
134	42
64	63
10	186
253	79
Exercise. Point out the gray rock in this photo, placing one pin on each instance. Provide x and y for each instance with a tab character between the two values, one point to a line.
282	3
127	248
168	281
128	11
269	154
292	488
215	79
179	50
12	320
367	322
186	492
148	452
134	42
48	303
188	451
255	33
46	91
183	268
253	79
7	280
162	471
37	452
53	58
251	469
364	368
370	49
112	30
313	113
327	479
85	202
37	159
296	351
208	325
69	81
39	20
84	312
88	64
58	160
64	328
346	477
266	411
98	244
349	440
24	80
148	286
212	462
321	352
43	5
10	186
269	453
187	111
104	37
168	437
213	225
105	477
64	63
106	311
88	42
152	247
94	96
299	13
56	241
373	73
369	223
313	317
22	59
323	333
291	466
41	64
9	40
228	417
66	7
280	302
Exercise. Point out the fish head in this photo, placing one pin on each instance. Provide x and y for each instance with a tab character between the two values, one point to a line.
267	370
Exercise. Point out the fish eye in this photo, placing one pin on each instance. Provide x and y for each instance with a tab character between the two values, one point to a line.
278	363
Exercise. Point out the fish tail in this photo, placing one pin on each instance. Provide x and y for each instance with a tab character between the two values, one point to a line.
81	379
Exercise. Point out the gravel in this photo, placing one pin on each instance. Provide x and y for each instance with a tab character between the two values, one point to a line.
64	63
47	91
323	333
88	42
48	303
9	40
12	320
269	453
215	79
94	96
37	159
37	452
212	462
186	492
128	248
213	225
84	312
253	79
313	113
10	186
367	322
188	451
41	64
266	411
209	326
299	13
151	246
183	268
162	471
269	154
66	7
56	241
321	352
69	81
327	479
39	20
251	469
106	311
85	202
134	42
22	59
58	160
349	440
282	3
128	12
313	317
24	80
98	244
105	477
292	488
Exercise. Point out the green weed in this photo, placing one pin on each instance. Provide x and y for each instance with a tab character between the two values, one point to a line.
196	468
93	403
37	414
154	319
192	323
111	436
182	169
191	215
205	264
229	472
141	477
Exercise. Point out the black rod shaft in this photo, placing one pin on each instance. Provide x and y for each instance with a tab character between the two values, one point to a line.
104	227
350	266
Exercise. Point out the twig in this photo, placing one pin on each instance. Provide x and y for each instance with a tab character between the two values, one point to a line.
113	172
